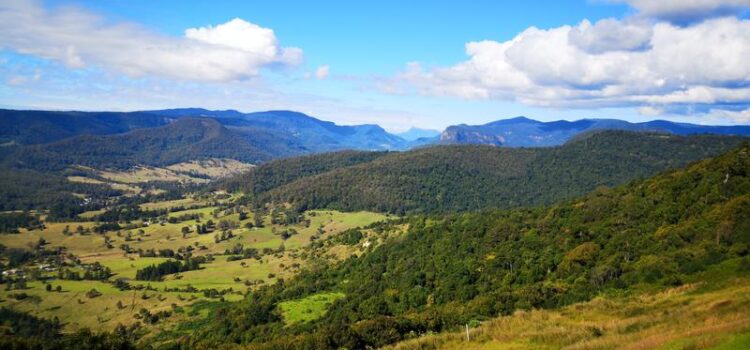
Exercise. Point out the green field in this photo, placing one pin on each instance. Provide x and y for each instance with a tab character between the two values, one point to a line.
308	308
75	310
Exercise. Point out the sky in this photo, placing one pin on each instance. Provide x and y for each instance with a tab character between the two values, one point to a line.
399	64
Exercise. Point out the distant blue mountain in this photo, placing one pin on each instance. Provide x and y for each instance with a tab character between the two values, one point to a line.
414	134
300	132
525	132
278	134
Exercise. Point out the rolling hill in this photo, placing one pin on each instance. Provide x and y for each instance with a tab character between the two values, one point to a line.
457	269
525	132
450	178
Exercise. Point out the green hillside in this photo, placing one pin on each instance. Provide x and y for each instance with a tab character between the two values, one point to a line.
451	269
281	172
459	178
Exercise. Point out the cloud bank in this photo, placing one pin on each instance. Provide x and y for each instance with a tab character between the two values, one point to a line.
686	11
235	50
631	62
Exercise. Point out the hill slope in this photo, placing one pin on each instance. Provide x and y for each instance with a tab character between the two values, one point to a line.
281	172
525	132
448	270
449	178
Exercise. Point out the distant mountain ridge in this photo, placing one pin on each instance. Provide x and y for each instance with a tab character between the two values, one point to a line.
278	133
525	132
301	133
28	127
414	134
182	140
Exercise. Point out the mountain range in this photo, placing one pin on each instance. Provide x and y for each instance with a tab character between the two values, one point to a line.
49	140
525	132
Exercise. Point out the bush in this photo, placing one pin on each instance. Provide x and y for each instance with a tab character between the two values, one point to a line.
93	293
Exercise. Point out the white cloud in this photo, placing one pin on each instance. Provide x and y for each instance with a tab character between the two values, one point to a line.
322	72
610	35
686	11
234	50
610	63
739	117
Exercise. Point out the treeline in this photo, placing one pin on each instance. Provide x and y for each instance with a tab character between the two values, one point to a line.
27	190
21	331
461	178
156	272
448	270
11	222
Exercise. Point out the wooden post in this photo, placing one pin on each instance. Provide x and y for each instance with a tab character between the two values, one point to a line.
467	332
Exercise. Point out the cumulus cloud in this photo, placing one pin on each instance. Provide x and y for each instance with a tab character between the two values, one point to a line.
234	50
742	116
610	63
322	72
686	11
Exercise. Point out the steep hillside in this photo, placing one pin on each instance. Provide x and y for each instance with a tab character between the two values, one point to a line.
449	270
449	178
525	132
183	140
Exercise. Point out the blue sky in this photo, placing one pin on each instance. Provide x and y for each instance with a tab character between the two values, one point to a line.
393	63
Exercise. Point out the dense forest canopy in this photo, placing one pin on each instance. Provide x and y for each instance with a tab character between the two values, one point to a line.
450	269
451	178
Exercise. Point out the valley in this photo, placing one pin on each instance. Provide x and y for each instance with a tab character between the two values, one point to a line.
186	235
235	260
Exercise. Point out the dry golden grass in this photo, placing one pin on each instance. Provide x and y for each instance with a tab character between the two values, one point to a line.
215	168
687	317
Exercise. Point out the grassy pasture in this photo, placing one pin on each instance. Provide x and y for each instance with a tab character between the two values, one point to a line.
75	310
308	308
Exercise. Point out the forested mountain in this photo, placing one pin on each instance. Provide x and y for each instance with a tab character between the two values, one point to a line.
36	127
300	131
183	140
525	132
281	172
450	269
450	178
277	134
